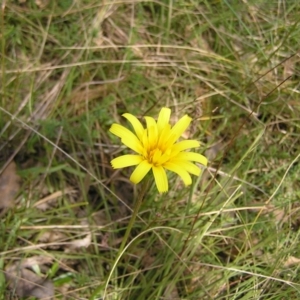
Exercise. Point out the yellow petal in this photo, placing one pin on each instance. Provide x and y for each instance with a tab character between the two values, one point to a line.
140	171
177	130
193	157
133	143
163	158
126	161
187	166
145	141
163	118
136	124
161	179
180	127
120	130
150	122
185	176
156	157
164	136
183	145
128	138
152	136
192	168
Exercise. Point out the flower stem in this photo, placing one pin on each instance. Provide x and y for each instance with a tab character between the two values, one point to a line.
136	208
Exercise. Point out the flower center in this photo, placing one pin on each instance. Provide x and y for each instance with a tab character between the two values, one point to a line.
154	156
157	157
155	151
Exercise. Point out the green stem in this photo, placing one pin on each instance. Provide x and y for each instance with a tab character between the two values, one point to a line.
136	209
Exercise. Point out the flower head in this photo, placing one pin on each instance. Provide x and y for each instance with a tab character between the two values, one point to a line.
157	148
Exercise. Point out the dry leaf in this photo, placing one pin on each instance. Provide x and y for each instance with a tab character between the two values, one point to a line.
41	3
85	242
9	186
55	239
25	283
36	260
278	213
291	261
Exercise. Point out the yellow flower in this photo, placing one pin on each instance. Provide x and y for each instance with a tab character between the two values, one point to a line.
157	149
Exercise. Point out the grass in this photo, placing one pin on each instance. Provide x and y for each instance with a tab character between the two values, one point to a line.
68	71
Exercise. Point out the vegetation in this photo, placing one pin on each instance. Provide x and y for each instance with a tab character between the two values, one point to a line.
70	69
